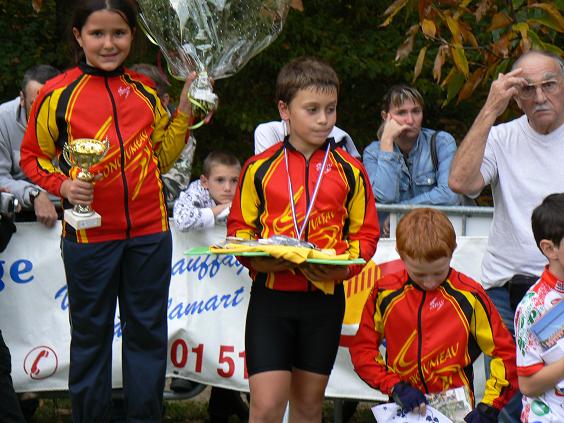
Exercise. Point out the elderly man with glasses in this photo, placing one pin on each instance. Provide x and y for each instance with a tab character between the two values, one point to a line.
523	161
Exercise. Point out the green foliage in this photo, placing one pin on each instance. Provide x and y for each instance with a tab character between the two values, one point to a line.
27	39
475	40
346	33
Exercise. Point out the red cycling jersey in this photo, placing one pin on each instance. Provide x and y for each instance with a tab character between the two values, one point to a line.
86	102
343	216
433	337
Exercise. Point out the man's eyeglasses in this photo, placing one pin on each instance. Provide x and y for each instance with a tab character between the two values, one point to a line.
550	86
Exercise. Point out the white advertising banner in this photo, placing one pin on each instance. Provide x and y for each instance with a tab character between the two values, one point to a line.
206	312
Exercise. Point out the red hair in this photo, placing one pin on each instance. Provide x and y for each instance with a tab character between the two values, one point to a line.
425	234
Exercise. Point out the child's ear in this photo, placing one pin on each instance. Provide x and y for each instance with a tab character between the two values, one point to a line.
77	36
204	181
548	249
283	110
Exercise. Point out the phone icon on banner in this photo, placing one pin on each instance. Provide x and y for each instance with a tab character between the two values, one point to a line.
41	362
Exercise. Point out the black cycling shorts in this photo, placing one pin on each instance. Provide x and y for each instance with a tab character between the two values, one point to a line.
287	330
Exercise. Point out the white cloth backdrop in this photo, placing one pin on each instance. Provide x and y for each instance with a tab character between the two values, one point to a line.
206	314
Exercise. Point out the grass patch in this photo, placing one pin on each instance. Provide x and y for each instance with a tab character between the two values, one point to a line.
57	410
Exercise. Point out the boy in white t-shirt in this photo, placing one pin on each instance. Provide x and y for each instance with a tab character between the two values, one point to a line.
541	380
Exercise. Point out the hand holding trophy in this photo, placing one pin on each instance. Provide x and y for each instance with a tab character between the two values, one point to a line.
84	153
214	38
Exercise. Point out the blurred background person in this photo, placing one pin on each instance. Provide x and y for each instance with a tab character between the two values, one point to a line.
14	115
409	164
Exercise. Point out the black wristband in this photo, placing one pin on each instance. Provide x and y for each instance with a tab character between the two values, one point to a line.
488	411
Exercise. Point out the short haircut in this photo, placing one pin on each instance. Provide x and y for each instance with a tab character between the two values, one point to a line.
548	220
155	74
219	158
399	94
395	97
39	73
553	56
425	234
303	73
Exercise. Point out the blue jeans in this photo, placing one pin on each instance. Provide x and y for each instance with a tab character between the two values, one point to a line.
511	413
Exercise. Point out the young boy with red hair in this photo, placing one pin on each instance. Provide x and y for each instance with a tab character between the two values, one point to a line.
436	321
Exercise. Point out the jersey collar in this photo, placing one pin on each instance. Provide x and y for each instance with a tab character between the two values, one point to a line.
91	70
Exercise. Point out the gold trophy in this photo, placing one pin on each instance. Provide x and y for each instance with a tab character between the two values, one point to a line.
84	153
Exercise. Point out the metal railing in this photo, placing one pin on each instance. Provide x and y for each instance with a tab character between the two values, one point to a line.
459	215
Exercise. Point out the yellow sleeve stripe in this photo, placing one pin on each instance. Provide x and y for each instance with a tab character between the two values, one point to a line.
46	126
249	197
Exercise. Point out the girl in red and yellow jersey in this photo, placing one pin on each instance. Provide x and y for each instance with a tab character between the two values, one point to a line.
128	257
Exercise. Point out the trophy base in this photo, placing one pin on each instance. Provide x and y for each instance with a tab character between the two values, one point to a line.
82	222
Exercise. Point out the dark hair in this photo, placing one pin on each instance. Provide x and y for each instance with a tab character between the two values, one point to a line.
39	73
548	220
155	74
305	72
84	8
219	158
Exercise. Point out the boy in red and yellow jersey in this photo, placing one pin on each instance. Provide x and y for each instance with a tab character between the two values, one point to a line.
436	321
306	188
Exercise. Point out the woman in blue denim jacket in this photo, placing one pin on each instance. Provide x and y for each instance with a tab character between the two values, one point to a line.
399	164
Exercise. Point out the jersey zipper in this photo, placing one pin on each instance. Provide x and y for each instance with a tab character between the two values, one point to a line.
420	341
122	160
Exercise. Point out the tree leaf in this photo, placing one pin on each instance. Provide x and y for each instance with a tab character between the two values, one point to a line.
471	84
501	46
429	28
482	9
36	4
467	35
538	43
392	11
523	29
423	8
461	8
439	62
407	46
499	20
297	5
419	63
546	21
459	58
556	19
455	82
517	4
454	30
